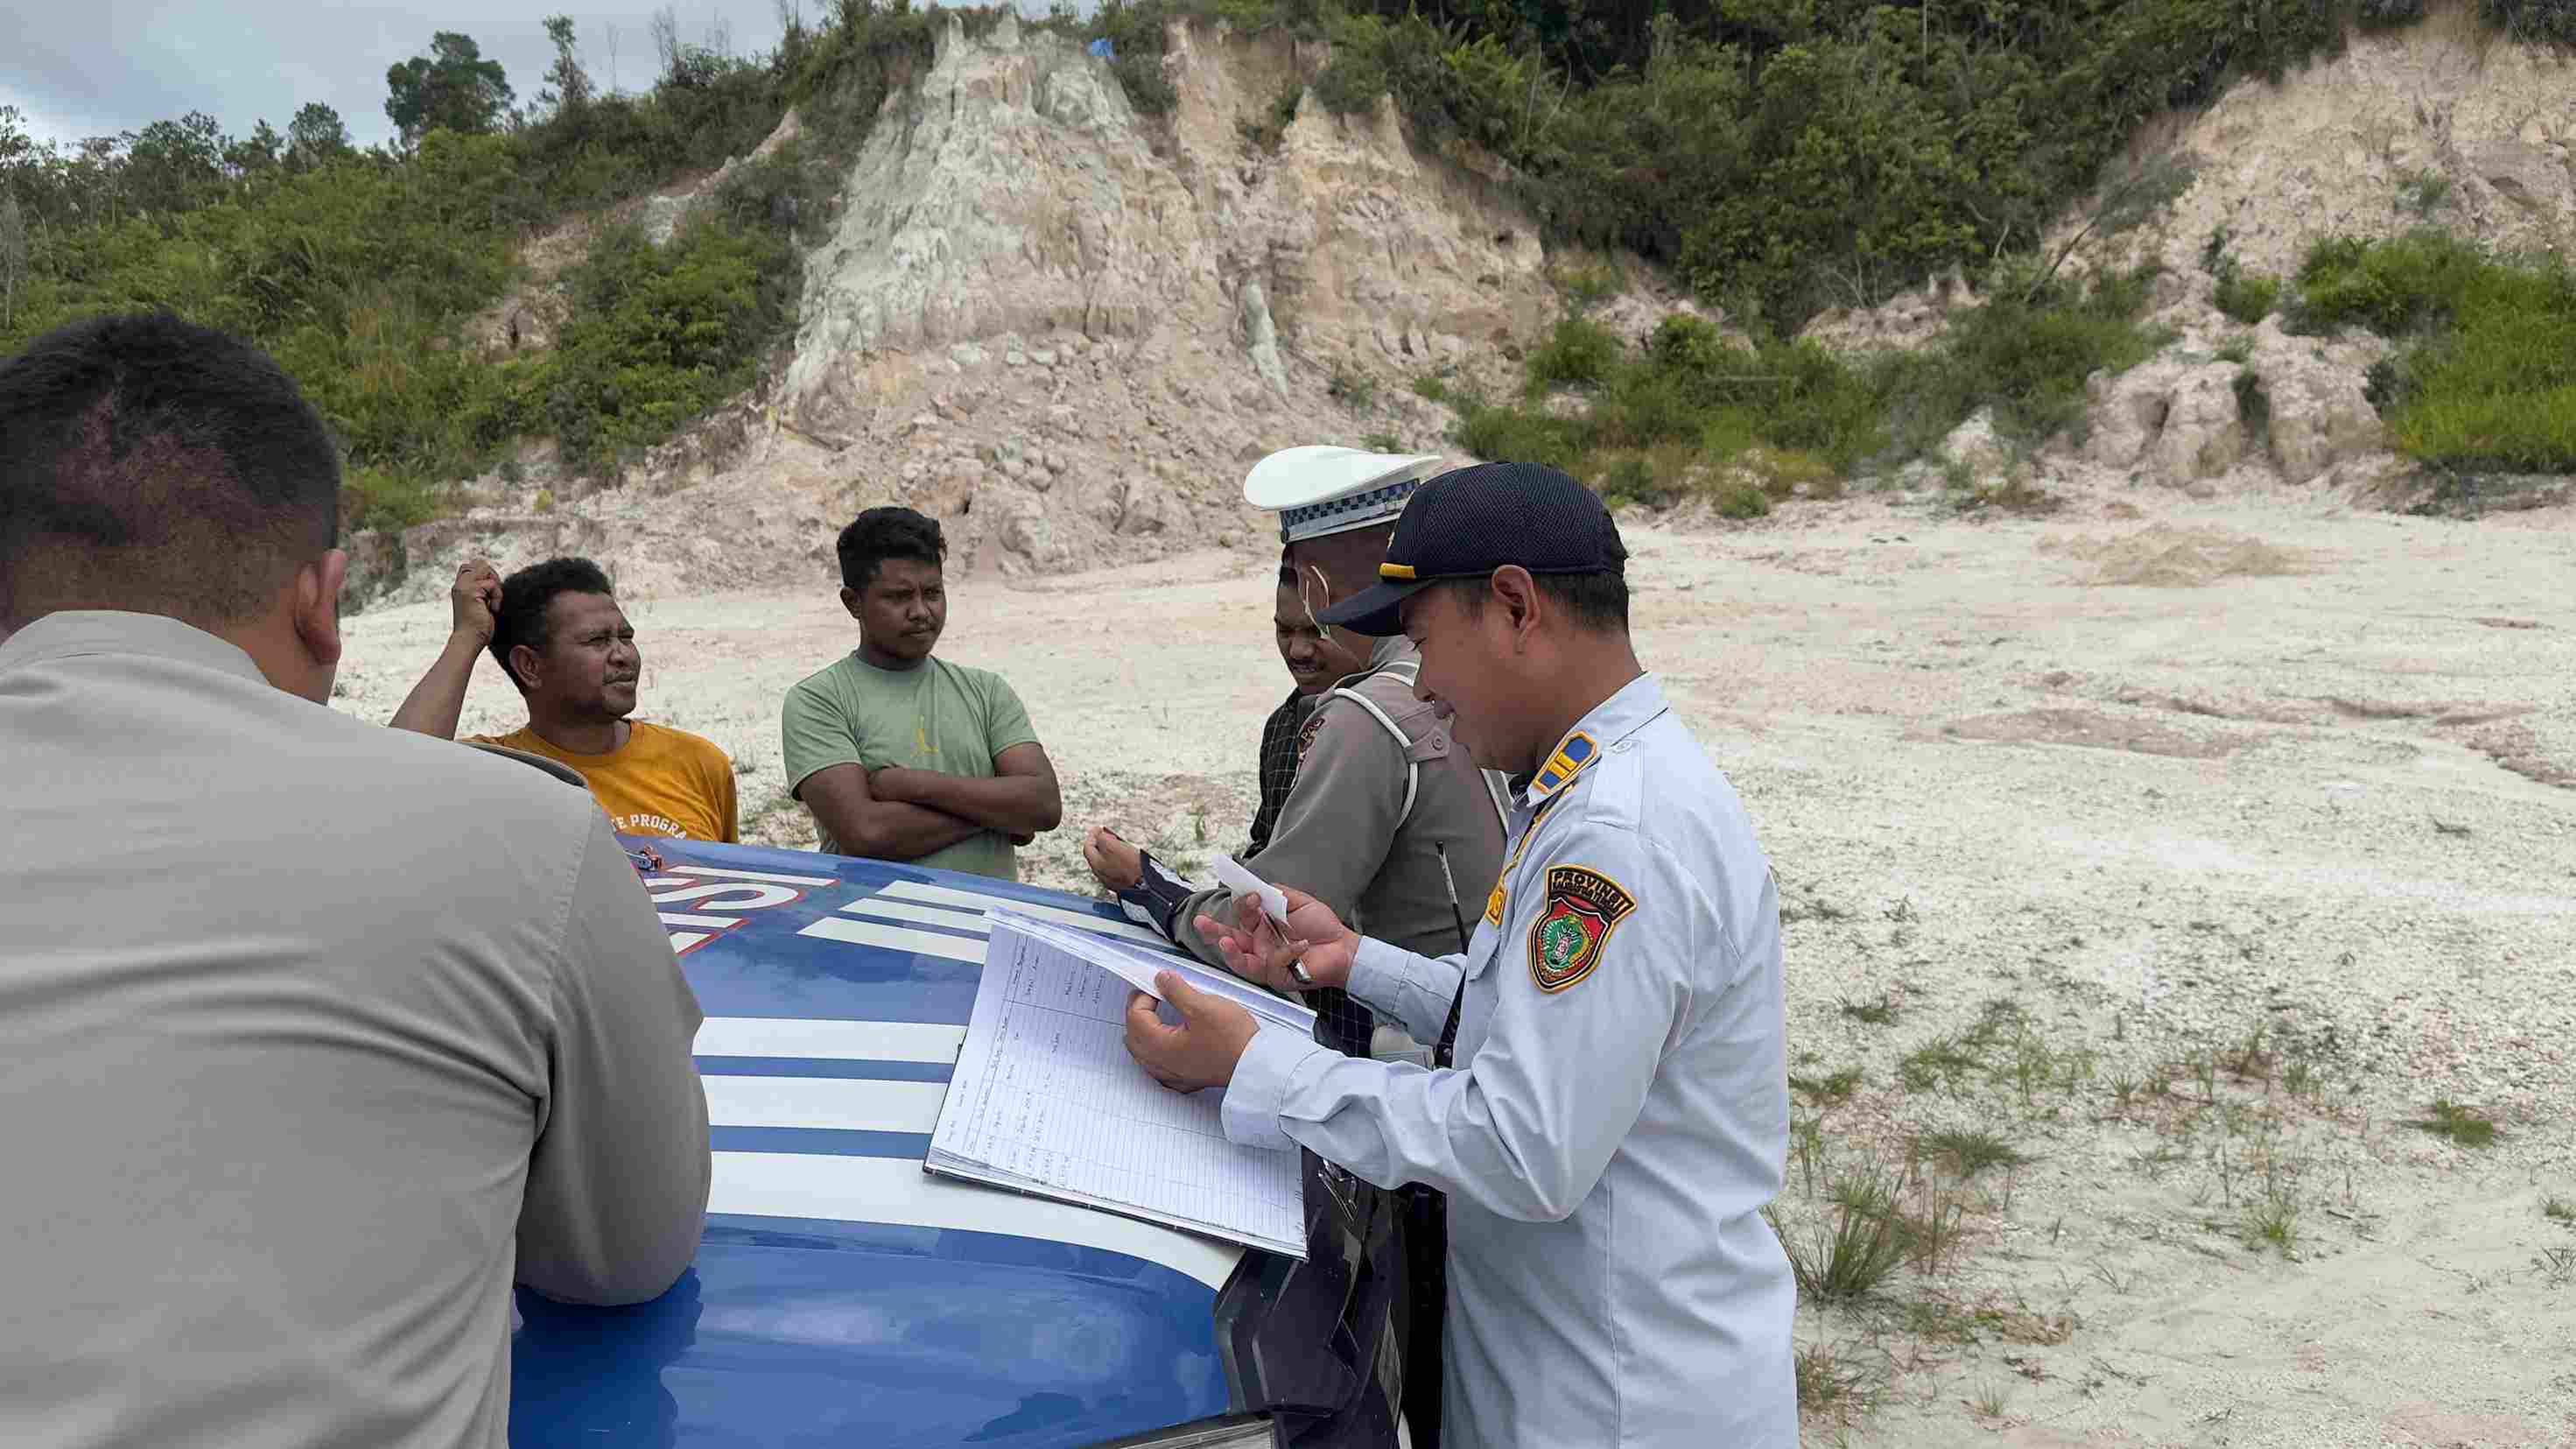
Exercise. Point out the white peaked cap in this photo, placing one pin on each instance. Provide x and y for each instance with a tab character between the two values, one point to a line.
1319	490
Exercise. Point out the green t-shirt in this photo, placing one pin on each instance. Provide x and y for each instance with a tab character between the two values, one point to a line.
940	716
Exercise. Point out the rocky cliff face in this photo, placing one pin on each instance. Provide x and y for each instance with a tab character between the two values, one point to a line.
2440	123
1067	330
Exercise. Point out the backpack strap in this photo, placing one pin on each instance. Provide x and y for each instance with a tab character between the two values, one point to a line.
1403	746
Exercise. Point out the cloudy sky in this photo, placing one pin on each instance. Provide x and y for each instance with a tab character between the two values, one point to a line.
95	67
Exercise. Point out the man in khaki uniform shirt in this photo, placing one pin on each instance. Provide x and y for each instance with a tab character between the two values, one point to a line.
314	1035
1385	812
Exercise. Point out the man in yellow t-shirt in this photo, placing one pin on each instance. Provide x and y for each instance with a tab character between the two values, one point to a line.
563	641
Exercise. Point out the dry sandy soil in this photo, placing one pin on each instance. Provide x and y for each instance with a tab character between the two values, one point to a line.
2086	836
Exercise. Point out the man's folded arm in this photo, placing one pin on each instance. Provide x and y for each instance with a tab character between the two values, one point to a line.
1021	798
617	1186
820	747
878	829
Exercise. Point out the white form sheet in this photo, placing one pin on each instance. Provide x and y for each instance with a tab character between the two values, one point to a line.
1138	967
1045	1100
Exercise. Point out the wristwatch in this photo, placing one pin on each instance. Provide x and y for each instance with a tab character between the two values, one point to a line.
1156	898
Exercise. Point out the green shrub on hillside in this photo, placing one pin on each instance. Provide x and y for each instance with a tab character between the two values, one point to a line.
2244	296
1768	420
2487	381
659	334
2406	285
2548	22
848	70
1740	500
1579	351
1788	158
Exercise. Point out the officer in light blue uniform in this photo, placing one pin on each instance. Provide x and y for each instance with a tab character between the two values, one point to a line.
1617	1114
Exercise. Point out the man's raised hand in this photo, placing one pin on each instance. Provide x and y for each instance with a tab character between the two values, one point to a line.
1255	949
475	602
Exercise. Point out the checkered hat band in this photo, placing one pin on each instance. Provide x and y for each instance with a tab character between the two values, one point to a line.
1341	515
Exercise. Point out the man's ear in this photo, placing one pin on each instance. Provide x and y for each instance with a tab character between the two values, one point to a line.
317	606
526	667
1516	593
852	599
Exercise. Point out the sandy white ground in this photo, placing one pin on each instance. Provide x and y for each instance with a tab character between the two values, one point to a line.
2151	818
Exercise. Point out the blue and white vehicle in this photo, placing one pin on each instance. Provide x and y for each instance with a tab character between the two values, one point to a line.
845	1297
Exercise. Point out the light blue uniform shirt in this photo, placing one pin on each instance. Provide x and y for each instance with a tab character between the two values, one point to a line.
1618	1120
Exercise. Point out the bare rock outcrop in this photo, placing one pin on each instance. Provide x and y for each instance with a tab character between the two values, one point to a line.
2174	420
2299	405
1634	315
1066	329
2316	391
1977	447
1907	321
2435	123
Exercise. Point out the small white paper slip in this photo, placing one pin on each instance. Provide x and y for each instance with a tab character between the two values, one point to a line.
1232	874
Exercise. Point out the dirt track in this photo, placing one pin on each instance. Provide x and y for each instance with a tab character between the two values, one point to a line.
2151	818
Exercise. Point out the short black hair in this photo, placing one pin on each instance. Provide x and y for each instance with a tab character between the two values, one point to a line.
1597	601
1287	570
883	533
150	464
528	594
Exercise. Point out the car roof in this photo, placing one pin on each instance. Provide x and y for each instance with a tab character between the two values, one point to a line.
841	1292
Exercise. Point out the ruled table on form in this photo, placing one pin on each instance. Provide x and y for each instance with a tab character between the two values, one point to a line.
1045	1095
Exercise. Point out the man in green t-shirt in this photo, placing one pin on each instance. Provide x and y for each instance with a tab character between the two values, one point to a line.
900	756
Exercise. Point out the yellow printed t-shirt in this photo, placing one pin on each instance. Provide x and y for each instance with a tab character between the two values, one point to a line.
662	781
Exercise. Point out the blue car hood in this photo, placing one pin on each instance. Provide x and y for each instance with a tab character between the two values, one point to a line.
842	1296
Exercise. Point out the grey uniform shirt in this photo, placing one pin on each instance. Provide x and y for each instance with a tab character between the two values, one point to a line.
1618	1119
313	1035
1344	837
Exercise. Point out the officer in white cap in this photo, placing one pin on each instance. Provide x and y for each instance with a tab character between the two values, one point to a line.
1608	1110
1385	818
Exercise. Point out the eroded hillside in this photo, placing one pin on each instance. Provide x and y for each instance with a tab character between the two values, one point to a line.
1065	327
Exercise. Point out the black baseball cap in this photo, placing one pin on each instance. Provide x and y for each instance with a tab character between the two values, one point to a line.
1470	521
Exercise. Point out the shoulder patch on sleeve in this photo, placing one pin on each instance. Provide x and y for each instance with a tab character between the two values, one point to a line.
1583	908
1306	736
